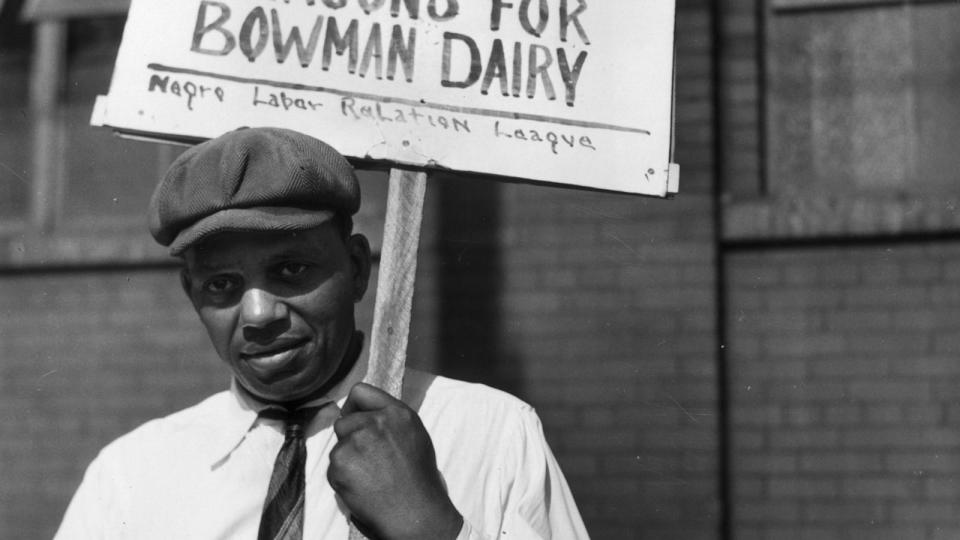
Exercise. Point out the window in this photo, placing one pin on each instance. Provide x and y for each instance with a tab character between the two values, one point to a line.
862	96
71	193
107	180
15	41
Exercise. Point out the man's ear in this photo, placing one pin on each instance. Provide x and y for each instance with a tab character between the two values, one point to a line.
359	249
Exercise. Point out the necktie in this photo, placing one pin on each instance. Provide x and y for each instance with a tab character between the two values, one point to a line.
282	517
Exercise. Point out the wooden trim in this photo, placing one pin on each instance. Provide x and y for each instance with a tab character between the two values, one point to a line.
823	5
36	250
832	216
23	248
34	10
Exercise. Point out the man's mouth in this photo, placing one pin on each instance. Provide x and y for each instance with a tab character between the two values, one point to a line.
272	357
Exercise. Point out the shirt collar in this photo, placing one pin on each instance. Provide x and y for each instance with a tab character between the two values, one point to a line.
241	412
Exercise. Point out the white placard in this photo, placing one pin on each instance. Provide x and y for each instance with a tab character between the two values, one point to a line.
564	91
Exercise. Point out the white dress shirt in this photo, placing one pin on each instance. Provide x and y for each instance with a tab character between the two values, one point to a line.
202	473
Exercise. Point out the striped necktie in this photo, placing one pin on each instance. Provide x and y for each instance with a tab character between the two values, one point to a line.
282	517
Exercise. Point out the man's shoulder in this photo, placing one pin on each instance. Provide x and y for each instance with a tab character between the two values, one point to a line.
176	429
477	431
432	394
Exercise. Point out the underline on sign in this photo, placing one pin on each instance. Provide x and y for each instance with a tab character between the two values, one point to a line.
411	102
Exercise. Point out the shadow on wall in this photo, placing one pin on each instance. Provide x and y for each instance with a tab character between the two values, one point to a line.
471	331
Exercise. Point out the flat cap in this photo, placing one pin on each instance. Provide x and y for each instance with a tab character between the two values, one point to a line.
251	179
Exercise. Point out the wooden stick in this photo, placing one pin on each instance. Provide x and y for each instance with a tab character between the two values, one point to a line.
398	269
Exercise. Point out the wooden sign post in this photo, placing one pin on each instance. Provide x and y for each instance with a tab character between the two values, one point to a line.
395	283
551	91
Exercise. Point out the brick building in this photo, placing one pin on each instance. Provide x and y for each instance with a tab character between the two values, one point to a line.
771	354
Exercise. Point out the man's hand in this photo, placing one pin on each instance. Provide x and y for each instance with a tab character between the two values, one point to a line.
384	469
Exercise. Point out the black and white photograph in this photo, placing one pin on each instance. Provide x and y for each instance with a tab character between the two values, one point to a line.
480	269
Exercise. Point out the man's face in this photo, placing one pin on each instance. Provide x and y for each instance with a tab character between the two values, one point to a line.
278	306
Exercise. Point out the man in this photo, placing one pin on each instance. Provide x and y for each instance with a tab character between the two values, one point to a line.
299	447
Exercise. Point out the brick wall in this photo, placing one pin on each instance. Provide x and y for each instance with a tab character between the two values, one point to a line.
607	320
86	356
841	358
741	76
844	384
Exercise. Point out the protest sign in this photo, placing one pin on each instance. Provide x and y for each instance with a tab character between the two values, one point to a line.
546	90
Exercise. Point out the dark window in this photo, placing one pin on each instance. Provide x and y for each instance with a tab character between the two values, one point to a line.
15	39
862	96
108	179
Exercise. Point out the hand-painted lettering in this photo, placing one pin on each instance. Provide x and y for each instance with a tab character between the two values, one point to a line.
402	53
188	90
283	46
535	69
453	9
567	17
202	28
283	100
496	13
570	76
475	67
534	18
538	69
387	113
214	35
369	6
340	42
251	49
555	140
542	18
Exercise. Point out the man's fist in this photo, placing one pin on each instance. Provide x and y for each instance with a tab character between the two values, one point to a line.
384	469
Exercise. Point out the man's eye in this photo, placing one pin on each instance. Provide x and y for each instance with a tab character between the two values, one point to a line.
220	285
291	269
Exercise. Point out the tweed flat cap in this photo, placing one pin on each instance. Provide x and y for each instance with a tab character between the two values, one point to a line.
251	179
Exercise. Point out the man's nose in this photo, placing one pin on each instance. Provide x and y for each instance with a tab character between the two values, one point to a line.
260	308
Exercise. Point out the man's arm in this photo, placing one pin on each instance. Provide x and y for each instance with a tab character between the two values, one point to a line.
396	489
539	504
83	519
